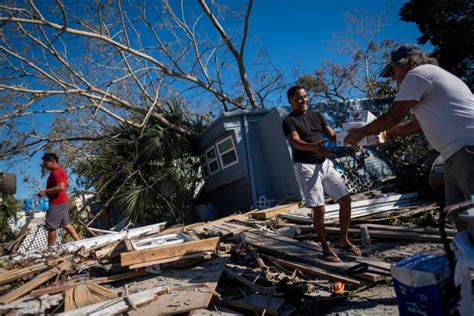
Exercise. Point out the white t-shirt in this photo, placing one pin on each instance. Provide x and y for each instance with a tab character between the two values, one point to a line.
445	108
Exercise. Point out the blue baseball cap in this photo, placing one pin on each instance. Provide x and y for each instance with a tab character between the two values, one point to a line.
399	52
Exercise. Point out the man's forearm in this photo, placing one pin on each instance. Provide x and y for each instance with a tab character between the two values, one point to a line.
384	122
303	146
314	147
395	115
405	129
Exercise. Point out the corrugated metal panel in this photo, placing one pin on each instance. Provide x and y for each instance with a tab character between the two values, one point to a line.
233	197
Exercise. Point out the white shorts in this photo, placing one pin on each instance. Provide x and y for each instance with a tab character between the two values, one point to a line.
319	179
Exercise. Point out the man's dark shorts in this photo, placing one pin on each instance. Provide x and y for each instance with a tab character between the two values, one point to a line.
57	216
459	176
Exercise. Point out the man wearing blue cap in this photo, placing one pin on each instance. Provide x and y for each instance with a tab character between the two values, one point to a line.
443	108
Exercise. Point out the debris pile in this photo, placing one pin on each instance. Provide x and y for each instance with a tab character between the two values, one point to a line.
264	261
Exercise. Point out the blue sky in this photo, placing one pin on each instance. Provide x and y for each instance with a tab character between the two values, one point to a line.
300	34
296	35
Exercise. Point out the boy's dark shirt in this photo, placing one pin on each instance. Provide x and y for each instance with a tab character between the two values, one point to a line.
310	127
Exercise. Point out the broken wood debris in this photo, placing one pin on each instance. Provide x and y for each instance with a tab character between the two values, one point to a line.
168	251
359	208
287	247
21	235
119	305
311	270
27	287
103	280
406	234
256	303
177	270
274	211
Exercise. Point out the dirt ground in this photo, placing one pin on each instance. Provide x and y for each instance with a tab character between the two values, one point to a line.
381	300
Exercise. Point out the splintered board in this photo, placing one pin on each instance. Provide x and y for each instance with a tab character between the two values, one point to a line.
168	251
274	211
284	247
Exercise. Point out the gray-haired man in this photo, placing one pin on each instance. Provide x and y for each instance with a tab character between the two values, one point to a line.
443	108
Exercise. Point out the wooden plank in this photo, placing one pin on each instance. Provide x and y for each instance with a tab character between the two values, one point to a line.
15	274
257	303
170	251
103	280
179	301
379	233
228	228
274	211
391	234
180	229
305	268
317	248
191	288
419	230
128	244
107	251
199	255
27	287
310	229
303	252
200	229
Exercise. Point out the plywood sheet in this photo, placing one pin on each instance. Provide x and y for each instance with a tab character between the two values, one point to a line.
191	288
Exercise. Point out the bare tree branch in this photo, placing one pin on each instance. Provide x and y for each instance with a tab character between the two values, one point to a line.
238	57
86	66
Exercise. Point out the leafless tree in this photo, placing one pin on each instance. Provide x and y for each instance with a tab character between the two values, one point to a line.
88	65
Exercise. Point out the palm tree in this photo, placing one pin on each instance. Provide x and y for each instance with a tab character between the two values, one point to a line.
148	173
8	208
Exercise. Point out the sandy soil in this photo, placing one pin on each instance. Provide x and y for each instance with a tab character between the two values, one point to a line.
381	300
